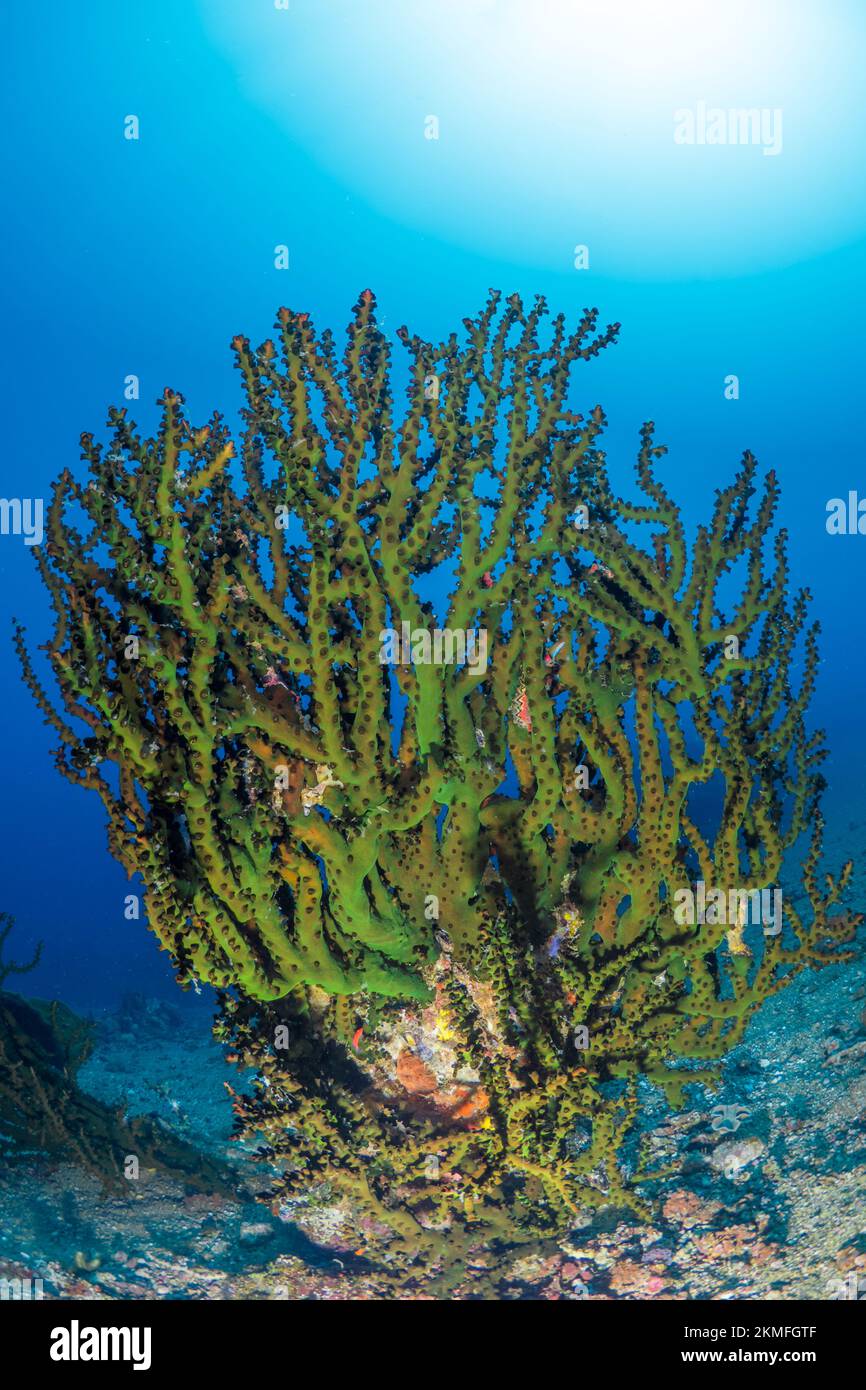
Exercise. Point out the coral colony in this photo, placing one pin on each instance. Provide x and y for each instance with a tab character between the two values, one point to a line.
435	873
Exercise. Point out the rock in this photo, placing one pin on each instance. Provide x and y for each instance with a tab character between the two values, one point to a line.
849	1054
656	1255
255	1233
730	1157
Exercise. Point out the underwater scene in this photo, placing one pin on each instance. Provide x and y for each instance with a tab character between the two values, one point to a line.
433	530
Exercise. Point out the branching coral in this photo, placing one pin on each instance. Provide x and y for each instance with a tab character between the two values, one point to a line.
453	880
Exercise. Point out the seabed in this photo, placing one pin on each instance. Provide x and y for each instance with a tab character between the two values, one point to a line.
767	1198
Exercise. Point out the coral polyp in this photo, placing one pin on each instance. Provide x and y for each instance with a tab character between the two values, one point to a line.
436	879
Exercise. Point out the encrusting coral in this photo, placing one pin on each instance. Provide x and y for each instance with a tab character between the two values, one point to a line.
433	870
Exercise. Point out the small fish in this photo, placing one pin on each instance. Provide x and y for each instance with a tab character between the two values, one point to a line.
357	1038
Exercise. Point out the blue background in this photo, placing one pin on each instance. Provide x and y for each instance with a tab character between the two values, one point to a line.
147	257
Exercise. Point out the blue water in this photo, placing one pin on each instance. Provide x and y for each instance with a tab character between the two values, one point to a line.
147	256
